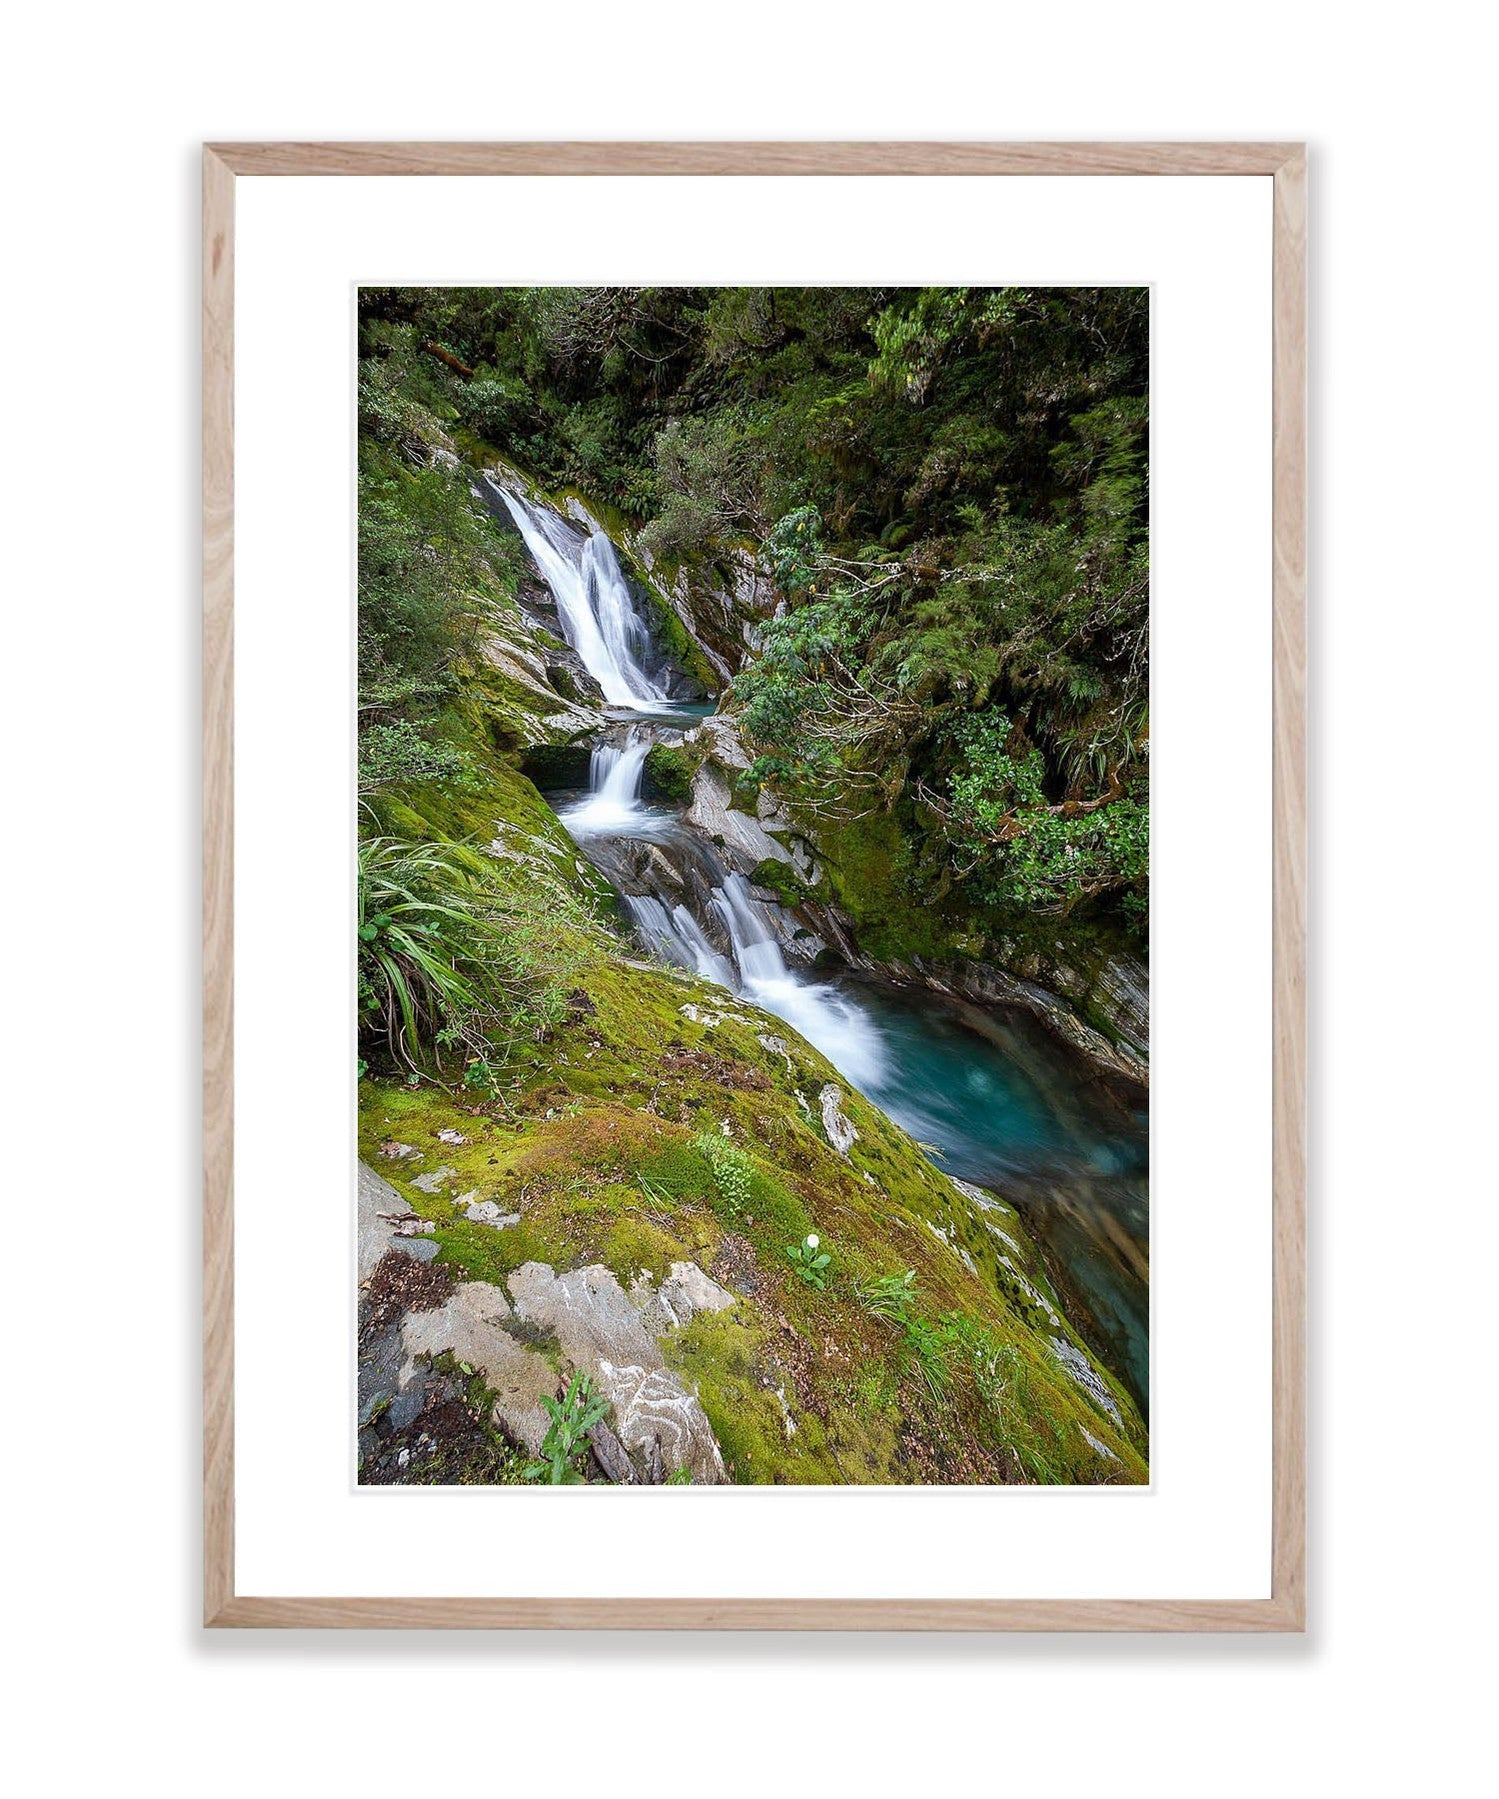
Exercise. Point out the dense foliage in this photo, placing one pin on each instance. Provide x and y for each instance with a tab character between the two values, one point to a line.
951	485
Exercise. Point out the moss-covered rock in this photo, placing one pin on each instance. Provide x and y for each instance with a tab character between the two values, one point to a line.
781	879
668	773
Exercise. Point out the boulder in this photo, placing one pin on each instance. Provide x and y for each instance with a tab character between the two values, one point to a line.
599	1330
713	813
472	1327
839	1127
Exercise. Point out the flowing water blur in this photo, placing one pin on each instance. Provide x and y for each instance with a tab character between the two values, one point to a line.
598	612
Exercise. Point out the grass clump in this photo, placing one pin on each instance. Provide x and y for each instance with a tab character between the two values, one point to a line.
451	966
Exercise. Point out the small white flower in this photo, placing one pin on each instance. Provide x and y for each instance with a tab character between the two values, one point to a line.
812	1241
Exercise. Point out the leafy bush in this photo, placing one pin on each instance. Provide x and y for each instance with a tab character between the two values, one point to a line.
707	484
1020	850
401	754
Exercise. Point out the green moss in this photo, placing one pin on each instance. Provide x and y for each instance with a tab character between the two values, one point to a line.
869	865
744	791
731	1362
781	879
669	771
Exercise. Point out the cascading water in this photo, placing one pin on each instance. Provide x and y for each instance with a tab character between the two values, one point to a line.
993	1100
677	937
613	803
838	1025
598	612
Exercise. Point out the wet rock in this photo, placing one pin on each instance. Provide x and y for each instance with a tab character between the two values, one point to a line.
513	656
743	839
1077	1365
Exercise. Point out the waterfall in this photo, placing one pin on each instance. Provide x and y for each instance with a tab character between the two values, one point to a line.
837	1025
613	804
613	825
676	936
598	612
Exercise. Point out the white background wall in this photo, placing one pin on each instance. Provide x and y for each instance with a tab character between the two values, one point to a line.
105	107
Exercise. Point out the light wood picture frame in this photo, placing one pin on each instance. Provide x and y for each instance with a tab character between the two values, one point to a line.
1284	1609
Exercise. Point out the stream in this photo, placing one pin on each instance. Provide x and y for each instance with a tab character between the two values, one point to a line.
992	1096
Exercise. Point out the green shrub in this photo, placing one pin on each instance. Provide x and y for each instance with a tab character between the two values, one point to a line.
733	1170
403	755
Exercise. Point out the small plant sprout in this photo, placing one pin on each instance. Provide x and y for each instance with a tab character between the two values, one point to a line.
567	1442
811	1260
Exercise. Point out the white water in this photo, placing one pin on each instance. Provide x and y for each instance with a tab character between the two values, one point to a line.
676	936
613	805
837	1025
594	602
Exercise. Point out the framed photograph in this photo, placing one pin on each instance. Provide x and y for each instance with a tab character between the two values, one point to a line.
754	886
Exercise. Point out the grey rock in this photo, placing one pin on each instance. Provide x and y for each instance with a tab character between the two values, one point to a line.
487	1212
378	1234
600	1331
685	1292
432	1182
611	1457
840	1129
1077	1365
472	1327
744	839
